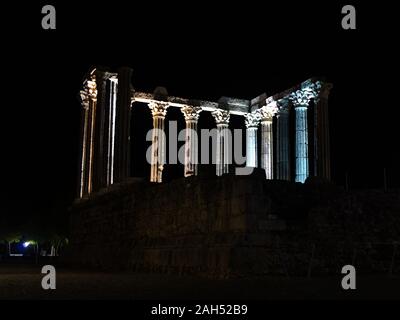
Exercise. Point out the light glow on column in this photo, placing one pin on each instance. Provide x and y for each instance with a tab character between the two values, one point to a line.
191	115
222	118
251	147
159	111
266	148
113	105
88	97
301	144
267	113
252	121
301	99
83	158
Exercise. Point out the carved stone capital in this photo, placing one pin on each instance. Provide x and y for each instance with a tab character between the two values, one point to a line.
283	106
84	99
221	116
158	109
267	112
89	91
92	88
301	97
312	88
252	120
191	113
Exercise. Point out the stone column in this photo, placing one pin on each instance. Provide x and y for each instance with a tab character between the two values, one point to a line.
159	111
252	121
83	174
111	129
122	125
191	115
267	157
282	157
300	100
222	120
102	129
321	132
88	99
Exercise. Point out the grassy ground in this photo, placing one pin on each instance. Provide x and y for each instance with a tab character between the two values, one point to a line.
24	282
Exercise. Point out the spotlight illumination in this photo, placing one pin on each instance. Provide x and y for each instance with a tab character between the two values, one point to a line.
26	244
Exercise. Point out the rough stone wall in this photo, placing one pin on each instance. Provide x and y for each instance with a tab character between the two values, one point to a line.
227	226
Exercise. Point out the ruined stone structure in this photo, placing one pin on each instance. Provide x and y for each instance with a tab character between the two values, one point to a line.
107	100
211	222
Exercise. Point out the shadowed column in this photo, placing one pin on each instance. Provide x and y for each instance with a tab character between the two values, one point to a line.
122	125
104	130
321	132
282	159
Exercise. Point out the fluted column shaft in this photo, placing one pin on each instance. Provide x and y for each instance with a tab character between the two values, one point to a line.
122	148
111	130
282	161
251	147
266	148
191	115
159	111
222	153
252	121
267	113
301	99
321	133
302	169
222	149
83	188
89	101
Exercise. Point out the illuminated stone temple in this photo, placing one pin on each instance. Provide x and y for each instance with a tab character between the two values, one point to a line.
284	217
208	221
107	99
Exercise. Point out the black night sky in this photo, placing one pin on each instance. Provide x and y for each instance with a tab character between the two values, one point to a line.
194	49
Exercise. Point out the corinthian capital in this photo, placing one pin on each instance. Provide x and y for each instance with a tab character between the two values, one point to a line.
252	120
158	109
89	91
191	113
301	97
91	87
267	112
221	116
283	105
84	99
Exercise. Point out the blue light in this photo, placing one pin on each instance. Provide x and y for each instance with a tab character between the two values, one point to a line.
26	244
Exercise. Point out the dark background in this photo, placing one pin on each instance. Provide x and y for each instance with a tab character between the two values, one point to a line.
195	49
